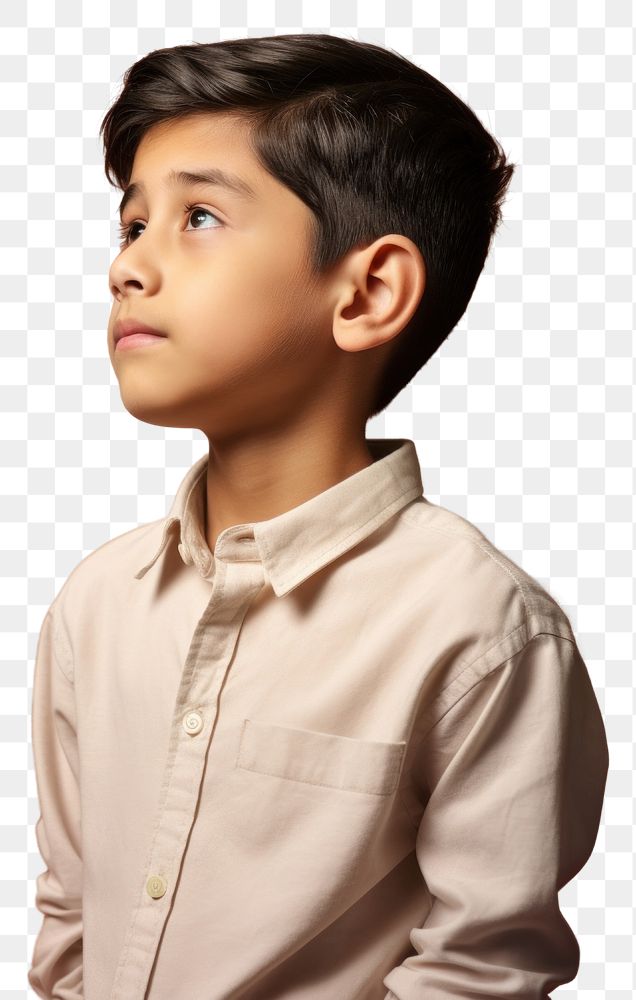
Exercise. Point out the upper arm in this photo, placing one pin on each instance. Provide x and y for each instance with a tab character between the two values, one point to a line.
56	963
517	771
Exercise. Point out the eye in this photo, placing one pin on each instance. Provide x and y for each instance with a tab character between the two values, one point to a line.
125	231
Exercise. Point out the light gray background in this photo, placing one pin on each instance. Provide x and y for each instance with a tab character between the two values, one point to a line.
523	420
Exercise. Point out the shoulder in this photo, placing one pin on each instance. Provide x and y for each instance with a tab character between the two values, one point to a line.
475	575
479	607
484	605
109	567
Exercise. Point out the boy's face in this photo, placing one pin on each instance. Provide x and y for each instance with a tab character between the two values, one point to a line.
249	335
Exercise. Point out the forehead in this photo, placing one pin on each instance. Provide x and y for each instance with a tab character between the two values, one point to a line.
212	142
211	130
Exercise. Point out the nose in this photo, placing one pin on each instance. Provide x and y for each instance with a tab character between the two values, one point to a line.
130	273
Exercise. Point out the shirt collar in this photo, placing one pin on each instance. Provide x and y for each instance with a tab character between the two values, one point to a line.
300	541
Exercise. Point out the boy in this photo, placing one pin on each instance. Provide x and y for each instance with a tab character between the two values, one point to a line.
311	735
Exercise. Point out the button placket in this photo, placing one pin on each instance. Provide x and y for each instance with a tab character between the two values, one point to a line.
235	586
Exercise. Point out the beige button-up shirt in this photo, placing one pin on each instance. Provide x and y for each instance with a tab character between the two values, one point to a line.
352	754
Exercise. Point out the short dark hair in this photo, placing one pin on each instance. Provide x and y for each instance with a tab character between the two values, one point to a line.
372	143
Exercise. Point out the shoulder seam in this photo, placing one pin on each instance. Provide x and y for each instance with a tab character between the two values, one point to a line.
467	536
490	671
60	634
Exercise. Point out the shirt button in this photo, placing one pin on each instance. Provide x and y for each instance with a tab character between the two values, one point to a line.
192	723
156	886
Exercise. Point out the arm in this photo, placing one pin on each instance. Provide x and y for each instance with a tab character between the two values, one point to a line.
517	769
56	967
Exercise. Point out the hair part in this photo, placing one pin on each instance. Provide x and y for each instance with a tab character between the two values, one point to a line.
372	143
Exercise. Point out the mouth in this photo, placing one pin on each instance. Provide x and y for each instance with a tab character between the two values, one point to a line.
129	333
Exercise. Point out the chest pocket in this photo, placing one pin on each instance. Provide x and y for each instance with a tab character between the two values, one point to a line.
320	758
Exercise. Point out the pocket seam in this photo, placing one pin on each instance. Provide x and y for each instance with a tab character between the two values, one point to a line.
393	776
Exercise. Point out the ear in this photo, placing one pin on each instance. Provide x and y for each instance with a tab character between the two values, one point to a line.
378	291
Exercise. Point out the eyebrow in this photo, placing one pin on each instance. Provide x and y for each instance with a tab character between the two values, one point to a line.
189	178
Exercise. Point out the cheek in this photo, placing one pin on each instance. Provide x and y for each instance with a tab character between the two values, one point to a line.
271	262
259	296
247	300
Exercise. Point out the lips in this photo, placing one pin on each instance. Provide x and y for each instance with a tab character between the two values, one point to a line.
128	327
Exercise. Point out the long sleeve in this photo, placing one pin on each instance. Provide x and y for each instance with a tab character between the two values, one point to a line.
56	970
517	770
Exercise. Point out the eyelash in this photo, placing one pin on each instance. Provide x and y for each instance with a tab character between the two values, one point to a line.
125	230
